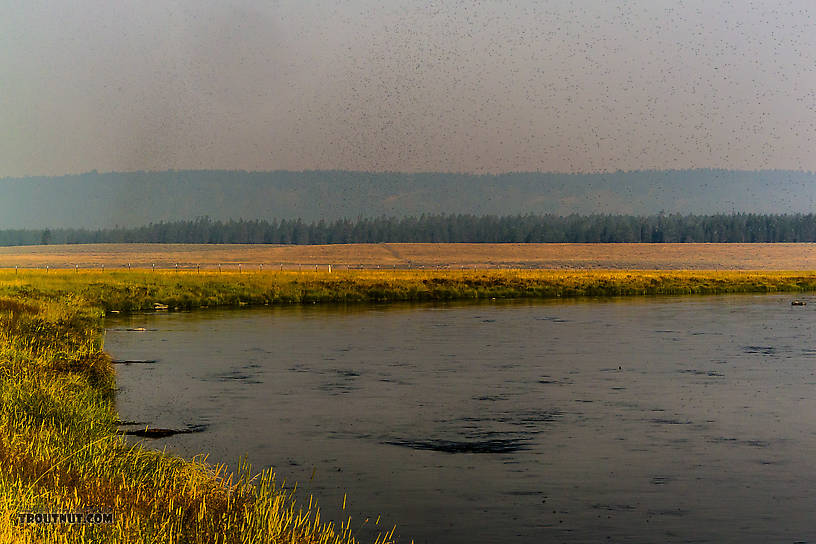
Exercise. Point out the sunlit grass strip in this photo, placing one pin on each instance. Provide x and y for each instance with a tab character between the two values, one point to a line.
141	290
59	450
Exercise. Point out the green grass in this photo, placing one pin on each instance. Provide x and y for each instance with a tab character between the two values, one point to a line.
140	290
59	447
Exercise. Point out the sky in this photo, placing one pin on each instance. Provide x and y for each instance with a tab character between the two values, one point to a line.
449	86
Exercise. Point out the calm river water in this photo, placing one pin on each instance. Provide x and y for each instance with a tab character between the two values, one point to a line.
686	419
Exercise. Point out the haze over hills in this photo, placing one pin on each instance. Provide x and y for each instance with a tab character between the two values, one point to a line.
100	200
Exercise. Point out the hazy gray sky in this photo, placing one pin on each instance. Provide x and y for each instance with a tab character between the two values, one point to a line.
484	86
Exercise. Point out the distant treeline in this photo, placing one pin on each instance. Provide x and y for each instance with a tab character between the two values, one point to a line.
661	228
132	199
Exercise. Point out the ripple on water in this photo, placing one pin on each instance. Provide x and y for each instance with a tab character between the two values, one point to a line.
669	421
613	507
697	372
761	350
674	512
497	445
237	375
520	418
338	388
491	398
549	380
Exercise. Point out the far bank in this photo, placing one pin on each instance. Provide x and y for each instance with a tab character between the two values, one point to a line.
139	290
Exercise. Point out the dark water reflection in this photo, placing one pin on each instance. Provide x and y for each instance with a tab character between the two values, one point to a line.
689	419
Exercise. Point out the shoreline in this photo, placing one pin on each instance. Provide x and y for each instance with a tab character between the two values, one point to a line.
134	290
60	447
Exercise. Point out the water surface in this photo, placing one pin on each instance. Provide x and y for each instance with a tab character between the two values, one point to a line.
685	419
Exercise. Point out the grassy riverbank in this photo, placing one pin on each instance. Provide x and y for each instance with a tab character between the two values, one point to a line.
59	450
141	290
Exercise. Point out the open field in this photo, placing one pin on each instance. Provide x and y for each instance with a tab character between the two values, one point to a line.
779	256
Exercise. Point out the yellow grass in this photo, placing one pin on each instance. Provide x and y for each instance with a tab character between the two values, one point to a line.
801	256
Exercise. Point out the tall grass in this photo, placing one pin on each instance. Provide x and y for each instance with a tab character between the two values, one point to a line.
59	449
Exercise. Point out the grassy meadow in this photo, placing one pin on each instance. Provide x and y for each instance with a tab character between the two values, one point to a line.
59	447
734	256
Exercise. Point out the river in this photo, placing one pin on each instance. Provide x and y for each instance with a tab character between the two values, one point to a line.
673	419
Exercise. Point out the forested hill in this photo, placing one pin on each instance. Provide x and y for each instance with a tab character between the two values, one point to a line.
447	228
102	200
